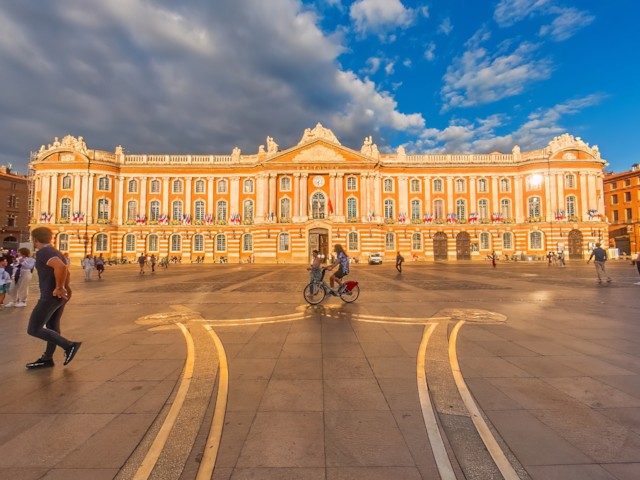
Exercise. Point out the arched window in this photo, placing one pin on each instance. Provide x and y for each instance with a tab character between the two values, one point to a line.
285	208
283	242
177	186
247	210
222	186
437	185
132	209
247	186
65	208
571	206
416	209
461	209
103	184
176	243
352	207
535	240
505	185
414	185
199	186
352	184
318	205
416	242
176	210
569	181
388	209
505	208
438	209
221	210
66	182
507	240
199	210
461	185
285	184
483	186
198	243
129	243
485	241
483	208
247	242
155	186
133	186
352	242
221	243
152	243
388	185
102	242
63	242
103	209
154	210
533	206
390	242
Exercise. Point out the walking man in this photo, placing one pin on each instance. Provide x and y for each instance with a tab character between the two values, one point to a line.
87	266
53	279
142	261
600	256
99	266
399	260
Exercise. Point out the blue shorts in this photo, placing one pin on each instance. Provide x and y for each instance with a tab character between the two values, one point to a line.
5	288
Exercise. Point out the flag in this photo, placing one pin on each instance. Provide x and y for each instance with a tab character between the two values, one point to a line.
330	207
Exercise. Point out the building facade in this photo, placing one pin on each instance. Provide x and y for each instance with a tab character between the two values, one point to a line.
622	208
276	206
14	209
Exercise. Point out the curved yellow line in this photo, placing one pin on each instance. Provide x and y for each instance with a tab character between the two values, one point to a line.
429	416
489	440
208	463
150	460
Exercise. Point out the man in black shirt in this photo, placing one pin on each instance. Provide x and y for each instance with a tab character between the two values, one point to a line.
53	278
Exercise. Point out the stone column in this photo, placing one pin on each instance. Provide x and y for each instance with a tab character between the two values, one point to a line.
79	187
592	202
495	194
600	186
296	196
165	209
332	193
583	196
340	195
273	190
365	195
261	214
427	195
119	200
234	195
552	196
89	205
188	184
210	187
560	192
377	195
45	180
142	209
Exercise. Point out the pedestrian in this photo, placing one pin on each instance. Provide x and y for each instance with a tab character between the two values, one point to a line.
561	258
399	261
99	263
493	259
67	260
87	266
315	271
21	279
153	261
600	256
142	261
5	280
342	262
55	292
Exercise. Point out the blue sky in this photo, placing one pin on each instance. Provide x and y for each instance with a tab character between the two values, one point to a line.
160	76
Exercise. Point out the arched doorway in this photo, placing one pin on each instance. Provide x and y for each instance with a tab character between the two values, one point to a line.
10	243
575	245
463	246
319	240
440	246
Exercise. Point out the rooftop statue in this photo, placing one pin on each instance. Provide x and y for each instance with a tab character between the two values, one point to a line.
235	154
272	146
318	132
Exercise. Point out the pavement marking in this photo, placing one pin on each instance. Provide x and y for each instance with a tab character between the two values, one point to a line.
236	322
150	460
433	431
208	462
489	440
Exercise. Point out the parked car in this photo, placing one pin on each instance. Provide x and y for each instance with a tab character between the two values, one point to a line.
375	259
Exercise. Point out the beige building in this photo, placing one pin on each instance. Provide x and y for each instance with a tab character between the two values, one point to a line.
278	204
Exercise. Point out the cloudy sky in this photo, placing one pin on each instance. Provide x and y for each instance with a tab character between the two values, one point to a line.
195	76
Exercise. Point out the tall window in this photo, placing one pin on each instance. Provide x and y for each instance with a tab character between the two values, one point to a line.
437	185
415	185
199	210
247	210
352	207
176	210
507	241
505	208
438	209
132	209
483	186
154	210
461	185
65	208
63	242
177	186
155	186
247	186
102	242
536	240
285	184
533	205
569	181
352	241
483	208
103	209
505	185
415	209
388	209
222	186
133	186
129	243
103	184
352	184
66	182
485	243
221	242
247	242
461	209
390	242
285	208
198	243
571	206
388	185
199	186
152	243
317	205
176	243
283	242
221	210
416	242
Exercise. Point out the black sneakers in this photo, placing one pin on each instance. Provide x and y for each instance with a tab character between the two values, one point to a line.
40	363
71	352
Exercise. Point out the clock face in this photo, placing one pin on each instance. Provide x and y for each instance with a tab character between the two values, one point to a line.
318	181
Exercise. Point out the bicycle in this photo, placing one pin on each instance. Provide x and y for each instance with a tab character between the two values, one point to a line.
316	291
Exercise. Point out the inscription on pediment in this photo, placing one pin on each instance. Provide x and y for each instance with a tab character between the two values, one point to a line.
319	153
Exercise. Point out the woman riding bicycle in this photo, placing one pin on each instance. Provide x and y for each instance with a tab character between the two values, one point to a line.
343	267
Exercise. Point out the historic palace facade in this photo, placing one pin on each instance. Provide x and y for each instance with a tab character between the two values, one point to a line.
278	205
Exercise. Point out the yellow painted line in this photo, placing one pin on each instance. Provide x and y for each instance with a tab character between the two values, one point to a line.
208	463
405	319
250	322
393	322
429	416
489	440
158	444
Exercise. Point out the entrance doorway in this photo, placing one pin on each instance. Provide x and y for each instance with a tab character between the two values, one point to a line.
575	245
463	246
440	246
319	240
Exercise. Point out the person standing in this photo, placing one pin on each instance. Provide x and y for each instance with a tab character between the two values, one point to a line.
22	278
142	261
5	280
99	262
399	261
561	258
153	261
494	259
87	266
600	256
55	292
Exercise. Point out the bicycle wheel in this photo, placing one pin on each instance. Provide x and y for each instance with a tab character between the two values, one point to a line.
314	293
351	296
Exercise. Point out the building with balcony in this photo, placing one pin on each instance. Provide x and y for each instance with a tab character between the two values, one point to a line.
622	209
277	205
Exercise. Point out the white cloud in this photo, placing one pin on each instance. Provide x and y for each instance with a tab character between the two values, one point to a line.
566	24
478	77
373	64
380	16
389	68
508	12
430	51
445	26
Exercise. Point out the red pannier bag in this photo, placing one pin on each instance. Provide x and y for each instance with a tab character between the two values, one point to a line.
350	285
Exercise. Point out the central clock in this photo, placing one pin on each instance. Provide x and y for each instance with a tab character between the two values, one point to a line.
318	181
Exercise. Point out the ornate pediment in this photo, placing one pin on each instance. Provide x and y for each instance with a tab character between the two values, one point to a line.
317	133
319	153
69	142
566	142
